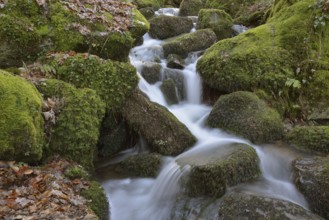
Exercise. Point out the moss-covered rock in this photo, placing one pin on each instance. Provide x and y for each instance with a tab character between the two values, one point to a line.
151	72
237	205
310	138
182	45
270	56
168	89
175	62
165	134
312	179
214	170
113	81
141	165
232	7
163	26
147	12
254	14
218	20
190	7
21	123
178	78
76	131
97	200
244	114
156	4
28	29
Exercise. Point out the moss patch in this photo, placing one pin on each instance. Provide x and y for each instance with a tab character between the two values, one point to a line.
21	123
312	138
76	131
243	113
97	200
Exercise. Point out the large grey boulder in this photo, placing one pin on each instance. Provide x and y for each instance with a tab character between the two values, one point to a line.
161	129
312	179
163	26
214	170
187	43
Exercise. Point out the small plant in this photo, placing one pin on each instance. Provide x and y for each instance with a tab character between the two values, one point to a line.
321	8
75	172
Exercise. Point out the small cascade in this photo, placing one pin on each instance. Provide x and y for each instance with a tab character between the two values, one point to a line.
148	198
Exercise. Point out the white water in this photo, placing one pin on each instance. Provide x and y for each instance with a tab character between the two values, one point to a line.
152	199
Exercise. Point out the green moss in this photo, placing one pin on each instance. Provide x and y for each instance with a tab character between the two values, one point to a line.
150	3
97	200
312	138
74	172
190	7
113	81
76	131
218	20
244	114
140	25
232	7
21	123
19	41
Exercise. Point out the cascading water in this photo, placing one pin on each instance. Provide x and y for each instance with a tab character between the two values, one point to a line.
148	198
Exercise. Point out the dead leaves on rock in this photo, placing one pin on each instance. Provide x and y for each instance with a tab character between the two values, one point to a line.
41	193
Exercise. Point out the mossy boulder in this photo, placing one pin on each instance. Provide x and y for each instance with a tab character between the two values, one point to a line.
160	128
254	14
28	29
141	165
310	138
190	7
147	12
218	20
113	81
156	4
312	179
169	89
97	200
76	130
214	170
233	7
151	72
270	56
187	43
164	26
178	78
21	124
175	62
244	114
238	205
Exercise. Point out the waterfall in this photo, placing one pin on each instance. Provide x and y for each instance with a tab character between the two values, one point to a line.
148	198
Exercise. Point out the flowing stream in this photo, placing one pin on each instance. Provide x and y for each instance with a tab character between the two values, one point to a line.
152	199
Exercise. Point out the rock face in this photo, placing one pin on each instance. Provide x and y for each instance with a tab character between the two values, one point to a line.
175	62
28	29
190	7
163	26
168	89
165	134
312	138
76	131
151	72
218	20
244	114
21	124
199	40
142	165
238	206
214	170
265	57
113	81
312	179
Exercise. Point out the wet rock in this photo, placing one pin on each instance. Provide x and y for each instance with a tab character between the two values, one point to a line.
141	165
163	26
310	138
214	170
168	89
161	129
175	62
187	43
178	78
218	20
21	124
238	206
147	12
151	72
244	114
190	7
312	179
